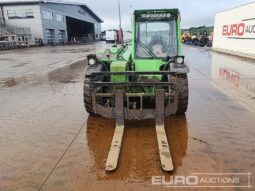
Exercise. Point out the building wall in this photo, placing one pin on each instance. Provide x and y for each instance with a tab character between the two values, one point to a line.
97	27
35	23
234	31
73	11
53	24
1	14
38	25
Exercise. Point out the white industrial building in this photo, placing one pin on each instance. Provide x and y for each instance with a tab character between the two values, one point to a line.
51	21
234	31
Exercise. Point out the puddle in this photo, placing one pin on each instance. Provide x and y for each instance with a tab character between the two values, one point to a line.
67	74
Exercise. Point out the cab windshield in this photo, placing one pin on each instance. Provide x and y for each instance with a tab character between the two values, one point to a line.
156	39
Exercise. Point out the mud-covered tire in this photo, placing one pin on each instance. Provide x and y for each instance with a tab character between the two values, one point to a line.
87	95
182	87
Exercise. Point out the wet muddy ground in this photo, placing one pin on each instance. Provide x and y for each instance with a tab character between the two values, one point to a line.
49	142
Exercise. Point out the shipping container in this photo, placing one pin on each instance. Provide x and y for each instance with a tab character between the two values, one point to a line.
234	31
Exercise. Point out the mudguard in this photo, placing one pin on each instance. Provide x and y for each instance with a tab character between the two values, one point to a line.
179	68
93	68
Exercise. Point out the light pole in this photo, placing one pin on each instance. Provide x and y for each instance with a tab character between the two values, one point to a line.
119	14
121	40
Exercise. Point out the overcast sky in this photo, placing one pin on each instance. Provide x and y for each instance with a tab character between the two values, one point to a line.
193	12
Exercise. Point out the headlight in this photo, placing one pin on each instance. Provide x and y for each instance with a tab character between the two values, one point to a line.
107	52
179	60
92	61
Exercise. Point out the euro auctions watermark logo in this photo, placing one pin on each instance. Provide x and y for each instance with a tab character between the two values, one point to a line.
215	180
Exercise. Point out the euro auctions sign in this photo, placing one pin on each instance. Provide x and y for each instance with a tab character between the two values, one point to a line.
234	31
242	30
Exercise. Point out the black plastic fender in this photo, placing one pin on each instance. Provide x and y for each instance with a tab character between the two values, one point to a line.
93	68
179	68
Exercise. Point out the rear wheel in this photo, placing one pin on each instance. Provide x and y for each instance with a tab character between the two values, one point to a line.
182	87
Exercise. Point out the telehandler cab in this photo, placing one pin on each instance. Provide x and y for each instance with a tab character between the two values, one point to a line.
144	79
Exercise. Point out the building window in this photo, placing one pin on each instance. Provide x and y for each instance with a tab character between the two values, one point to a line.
20	14
61	36
30	14
50	36
11	14
59	18
48	15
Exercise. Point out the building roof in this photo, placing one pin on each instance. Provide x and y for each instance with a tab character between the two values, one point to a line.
83	5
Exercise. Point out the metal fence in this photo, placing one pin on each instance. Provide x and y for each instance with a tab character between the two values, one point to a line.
5	45
8	30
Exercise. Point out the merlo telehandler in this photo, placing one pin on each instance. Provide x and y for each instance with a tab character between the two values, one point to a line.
144	79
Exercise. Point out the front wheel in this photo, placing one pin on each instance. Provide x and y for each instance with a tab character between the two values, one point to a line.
89	88
182	87
87	95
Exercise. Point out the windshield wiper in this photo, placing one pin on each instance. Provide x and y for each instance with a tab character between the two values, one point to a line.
151	53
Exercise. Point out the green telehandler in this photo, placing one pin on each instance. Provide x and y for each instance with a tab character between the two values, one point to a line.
144	79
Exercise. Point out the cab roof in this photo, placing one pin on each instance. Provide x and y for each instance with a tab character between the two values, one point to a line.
174	12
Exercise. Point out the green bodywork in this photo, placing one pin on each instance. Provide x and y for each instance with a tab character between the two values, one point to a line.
121	58
118	66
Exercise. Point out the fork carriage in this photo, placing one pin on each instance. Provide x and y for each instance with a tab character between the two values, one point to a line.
136	105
